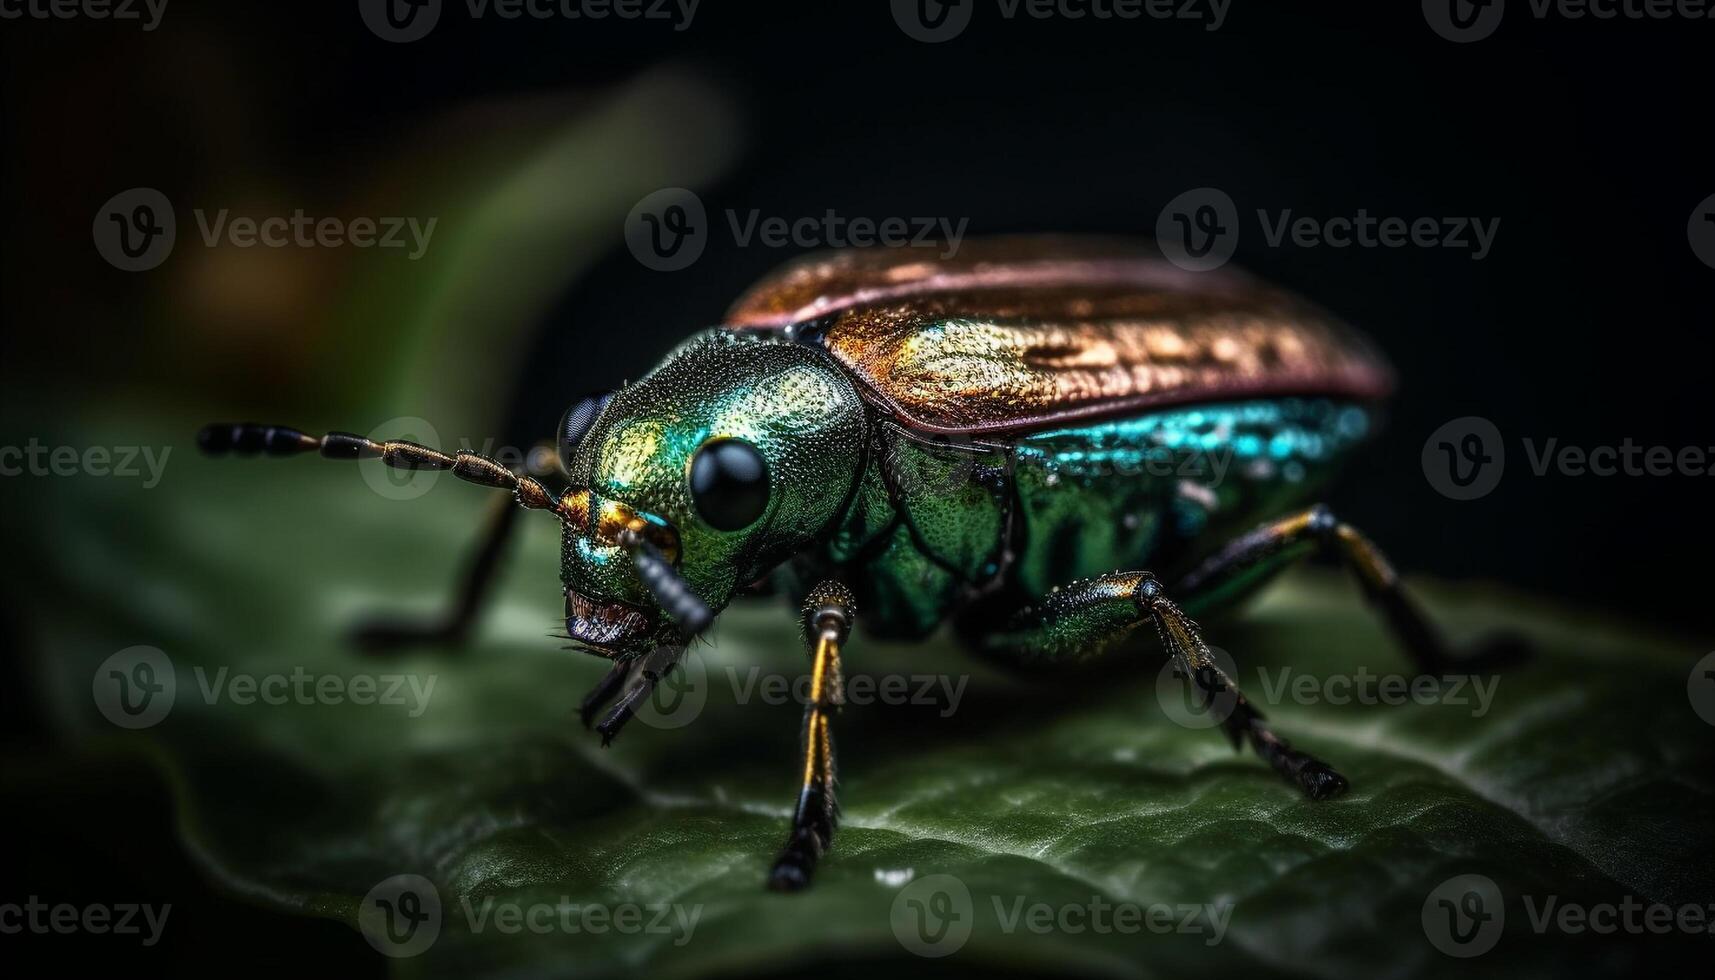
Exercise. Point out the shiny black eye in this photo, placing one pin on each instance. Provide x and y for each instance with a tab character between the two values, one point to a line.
729	484
576	424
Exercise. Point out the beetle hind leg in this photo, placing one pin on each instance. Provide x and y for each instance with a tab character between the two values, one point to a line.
1080	620
1269	547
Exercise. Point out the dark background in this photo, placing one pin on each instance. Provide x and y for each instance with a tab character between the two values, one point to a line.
1588	322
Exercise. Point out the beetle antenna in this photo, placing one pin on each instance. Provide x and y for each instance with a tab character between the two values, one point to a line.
669	588
250	438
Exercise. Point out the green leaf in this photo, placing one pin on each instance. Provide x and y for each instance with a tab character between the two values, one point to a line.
1587	777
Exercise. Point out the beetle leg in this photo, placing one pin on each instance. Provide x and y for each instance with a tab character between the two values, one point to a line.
604	691
388	633
1264	550
385	633
1079	620
828	615
655	665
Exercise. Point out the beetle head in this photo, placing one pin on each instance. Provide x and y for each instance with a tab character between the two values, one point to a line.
730	457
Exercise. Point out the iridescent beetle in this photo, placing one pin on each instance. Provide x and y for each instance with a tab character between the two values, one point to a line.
978	441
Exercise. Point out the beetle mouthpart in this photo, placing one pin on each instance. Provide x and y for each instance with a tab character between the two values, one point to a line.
605	625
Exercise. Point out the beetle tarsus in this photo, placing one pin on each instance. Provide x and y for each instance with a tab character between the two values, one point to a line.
1243	723
603	692
383	636
812	832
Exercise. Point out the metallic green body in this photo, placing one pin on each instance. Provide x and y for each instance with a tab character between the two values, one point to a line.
925	529
937	527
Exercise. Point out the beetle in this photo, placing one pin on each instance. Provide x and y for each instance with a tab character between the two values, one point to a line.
1022	441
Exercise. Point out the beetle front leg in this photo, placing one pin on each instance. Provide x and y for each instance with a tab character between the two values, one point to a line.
828	614
1080	620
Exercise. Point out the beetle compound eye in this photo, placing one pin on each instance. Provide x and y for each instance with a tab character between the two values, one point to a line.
729	484
576	424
